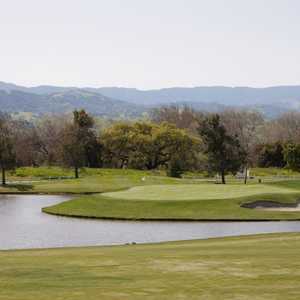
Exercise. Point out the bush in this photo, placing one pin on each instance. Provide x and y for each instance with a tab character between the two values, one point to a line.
175	168
292	156
271	155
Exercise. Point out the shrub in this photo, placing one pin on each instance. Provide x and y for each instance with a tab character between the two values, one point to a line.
175	168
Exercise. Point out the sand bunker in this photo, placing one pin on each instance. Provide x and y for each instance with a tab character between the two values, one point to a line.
273	206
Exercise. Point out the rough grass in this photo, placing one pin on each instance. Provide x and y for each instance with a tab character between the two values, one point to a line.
263	172
90	181
41	172
253	267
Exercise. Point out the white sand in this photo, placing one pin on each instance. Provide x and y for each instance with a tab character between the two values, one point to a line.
280	208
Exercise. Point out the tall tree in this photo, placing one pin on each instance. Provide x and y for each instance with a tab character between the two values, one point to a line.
7	152
245	125
76	138
225	154
50	131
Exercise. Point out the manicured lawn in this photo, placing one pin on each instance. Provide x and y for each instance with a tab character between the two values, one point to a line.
290	184
204	191
253	267
206	201
98	206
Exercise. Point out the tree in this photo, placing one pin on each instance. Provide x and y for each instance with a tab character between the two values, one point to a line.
183	117
118	145
225	154
163	143
50	131
292	156
175	168
245	125
271	155
144	145
7	152
76	141
284	129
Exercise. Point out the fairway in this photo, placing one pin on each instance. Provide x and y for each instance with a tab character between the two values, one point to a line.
196	192
228	268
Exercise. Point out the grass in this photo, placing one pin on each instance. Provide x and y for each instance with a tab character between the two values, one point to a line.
206	191
263	172
227	268
99	206
140	195
257	172
41	172
33	180
59	180
205	201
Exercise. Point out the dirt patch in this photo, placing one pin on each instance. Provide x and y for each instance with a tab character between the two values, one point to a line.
272	205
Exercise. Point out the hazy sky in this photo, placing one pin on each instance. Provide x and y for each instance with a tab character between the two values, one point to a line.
150	43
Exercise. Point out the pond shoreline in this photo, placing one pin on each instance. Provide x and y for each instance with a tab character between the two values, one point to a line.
167	219
249	205
50	193
29	228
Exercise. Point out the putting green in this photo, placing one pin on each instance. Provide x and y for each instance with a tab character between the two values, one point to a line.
196	192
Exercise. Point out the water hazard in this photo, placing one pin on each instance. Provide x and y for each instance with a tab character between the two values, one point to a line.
23	225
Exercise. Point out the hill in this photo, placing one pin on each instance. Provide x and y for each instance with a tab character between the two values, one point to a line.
235	96
128	102
16	100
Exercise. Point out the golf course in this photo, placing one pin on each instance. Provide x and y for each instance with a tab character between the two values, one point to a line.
234	267
146	195
163	198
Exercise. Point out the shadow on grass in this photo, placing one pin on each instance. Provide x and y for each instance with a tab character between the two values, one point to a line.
19	187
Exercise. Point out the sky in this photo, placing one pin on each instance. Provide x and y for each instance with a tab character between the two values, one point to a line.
150	44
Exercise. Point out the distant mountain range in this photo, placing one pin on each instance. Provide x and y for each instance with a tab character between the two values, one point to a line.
117	102
61	100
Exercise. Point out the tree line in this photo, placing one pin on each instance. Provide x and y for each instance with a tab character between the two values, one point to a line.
173	138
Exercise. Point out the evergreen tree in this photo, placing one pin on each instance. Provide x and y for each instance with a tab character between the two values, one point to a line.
78	138
225	154
7	151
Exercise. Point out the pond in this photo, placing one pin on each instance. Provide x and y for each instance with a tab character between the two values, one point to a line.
23	225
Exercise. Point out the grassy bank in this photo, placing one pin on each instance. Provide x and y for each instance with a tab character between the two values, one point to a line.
98	206
206	201
229	268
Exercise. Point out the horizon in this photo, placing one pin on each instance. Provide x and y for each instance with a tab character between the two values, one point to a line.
150	89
